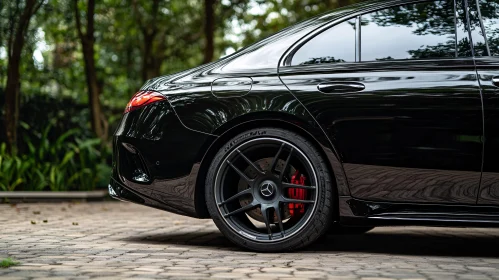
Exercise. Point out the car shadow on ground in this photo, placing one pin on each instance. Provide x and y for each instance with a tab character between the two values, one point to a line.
410	244
386	242
202	239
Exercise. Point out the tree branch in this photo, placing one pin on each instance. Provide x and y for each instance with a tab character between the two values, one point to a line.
37	7
209	30
77	19
155	8
12	28
138	16
26	16
90	19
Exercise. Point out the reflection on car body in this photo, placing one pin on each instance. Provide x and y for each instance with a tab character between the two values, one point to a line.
377	114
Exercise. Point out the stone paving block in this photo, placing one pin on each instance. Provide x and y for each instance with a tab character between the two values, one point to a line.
50	278
128	241
278	269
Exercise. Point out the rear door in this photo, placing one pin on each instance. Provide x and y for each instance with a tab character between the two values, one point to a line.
484	19
396	91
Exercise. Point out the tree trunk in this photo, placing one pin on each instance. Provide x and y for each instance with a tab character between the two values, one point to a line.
12	88
152	57
93	90
209	30
87	39
148	58
343	3
330	4
129	68
12	92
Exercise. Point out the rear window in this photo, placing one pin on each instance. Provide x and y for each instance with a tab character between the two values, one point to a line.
337	44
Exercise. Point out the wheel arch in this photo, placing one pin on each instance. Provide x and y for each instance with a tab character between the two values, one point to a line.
269	119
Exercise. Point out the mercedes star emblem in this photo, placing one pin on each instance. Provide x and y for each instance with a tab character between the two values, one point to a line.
267	189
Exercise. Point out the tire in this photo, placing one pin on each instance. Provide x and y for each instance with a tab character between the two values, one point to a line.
341	230
268	223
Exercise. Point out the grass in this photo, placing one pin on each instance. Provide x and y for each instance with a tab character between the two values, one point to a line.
8	262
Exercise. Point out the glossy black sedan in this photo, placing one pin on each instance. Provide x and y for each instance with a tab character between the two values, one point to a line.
383	113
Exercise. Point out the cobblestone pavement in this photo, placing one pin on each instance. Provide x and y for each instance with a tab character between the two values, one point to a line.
116	240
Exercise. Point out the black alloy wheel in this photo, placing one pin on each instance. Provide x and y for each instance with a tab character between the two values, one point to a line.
269	190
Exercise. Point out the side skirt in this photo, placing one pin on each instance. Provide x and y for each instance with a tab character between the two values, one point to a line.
356	212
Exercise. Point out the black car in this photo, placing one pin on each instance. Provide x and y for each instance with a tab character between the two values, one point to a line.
382	113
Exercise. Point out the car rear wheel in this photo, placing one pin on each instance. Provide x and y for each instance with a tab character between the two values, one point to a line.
269	190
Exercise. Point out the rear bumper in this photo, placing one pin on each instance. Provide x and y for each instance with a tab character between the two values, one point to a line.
156	160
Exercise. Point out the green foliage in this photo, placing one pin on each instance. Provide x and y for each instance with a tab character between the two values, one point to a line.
8	262
67	163
56	148
275	15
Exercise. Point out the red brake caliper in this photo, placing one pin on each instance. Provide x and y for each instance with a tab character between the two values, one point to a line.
297	208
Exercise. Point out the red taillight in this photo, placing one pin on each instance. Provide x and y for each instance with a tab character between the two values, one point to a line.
143	98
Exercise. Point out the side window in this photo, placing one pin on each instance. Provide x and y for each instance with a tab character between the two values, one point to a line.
337	44
415	31
484	20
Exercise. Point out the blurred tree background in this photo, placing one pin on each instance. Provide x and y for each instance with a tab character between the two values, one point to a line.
68	68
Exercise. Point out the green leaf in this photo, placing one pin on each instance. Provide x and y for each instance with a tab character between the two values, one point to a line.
69	155
64	136
15	184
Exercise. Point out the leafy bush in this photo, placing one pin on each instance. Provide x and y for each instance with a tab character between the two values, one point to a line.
70	162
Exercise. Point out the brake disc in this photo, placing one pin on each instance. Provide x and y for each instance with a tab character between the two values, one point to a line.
264	164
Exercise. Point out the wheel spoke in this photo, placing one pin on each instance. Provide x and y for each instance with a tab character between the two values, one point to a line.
258	169
276	158
279	219
294	186
234	197
283	171
292	200
265	214
242	209
241	174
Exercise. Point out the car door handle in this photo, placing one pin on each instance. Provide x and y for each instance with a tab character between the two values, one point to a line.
329	87
495	81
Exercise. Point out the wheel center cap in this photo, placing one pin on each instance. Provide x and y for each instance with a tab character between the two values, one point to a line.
268	188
